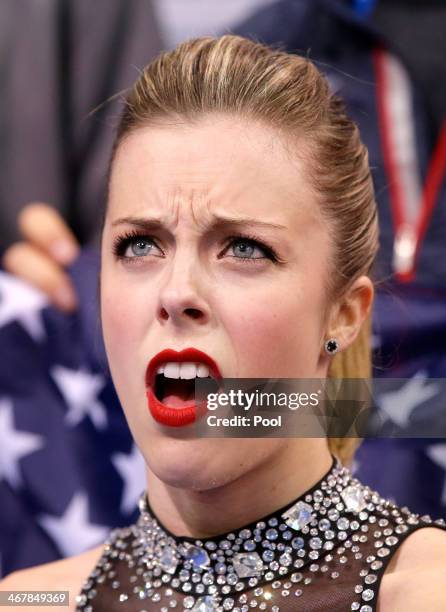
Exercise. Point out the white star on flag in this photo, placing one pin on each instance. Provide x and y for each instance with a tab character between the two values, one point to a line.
21	302
132	470
437	453
72	532
80	389
14	445
398	405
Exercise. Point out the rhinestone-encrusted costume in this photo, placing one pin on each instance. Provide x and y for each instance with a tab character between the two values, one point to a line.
327	550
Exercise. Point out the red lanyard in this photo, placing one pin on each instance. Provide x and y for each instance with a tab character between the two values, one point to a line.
412	203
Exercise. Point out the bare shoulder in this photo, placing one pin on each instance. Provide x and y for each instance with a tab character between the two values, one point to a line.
415	577
413	590
64	575
426	546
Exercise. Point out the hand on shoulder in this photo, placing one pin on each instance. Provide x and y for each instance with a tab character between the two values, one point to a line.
64	575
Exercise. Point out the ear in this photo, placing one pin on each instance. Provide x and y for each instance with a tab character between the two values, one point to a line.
350	311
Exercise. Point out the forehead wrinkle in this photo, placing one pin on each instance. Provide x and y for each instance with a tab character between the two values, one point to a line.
196	201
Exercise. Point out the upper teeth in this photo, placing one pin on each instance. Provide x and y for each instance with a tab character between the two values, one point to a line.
185	369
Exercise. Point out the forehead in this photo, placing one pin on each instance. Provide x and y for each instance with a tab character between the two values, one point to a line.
218	163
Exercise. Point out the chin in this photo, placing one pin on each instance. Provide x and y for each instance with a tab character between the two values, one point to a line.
192	464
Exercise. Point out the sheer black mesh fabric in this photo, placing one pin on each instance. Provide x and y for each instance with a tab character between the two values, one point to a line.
347	577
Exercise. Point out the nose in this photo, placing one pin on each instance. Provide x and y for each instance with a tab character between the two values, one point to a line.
180	298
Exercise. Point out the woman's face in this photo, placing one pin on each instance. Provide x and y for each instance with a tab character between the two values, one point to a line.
257	308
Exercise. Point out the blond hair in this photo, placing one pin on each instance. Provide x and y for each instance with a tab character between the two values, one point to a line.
235	75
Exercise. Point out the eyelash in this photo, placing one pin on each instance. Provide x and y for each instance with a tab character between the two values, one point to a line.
121	243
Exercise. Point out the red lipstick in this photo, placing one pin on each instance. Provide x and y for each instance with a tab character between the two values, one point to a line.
191	410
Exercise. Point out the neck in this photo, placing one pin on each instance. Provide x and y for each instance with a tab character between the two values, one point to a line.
277	482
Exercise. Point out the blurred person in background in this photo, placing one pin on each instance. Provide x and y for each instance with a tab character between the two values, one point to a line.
394	93
60	61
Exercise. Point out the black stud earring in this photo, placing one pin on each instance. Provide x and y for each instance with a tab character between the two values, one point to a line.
331	346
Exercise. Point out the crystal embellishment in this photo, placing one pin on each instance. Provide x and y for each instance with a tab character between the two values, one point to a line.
205	604
354	498
208	576
168	560
196	555
298	515
247	564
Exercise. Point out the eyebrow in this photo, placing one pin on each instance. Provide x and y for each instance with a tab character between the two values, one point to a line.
146	223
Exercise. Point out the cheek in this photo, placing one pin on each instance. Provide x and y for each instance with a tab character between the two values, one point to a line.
125	314
274	332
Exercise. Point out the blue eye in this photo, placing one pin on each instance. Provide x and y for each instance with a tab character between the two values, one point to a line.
138	248
246	248
133	246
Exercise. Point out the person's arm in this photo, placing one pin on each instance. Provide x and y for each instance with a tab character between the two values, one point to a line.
48	246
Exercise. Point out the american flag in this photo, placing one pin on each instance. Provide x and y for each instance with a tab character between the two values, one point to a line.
69	470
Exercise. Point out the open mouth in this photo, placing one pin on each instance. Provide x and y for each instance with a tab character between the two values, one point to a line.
179	392
173	395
